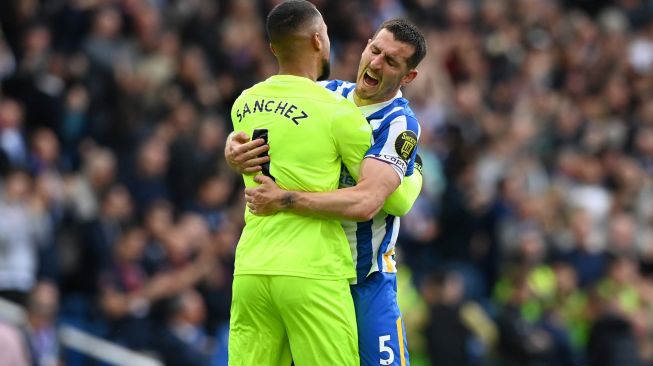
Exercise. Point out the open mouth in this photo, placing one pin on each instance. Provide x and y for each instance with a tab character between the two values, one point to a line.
370	80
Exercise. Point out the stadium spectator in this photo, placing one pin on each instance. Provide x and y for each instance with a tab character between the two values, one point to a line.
12	140
41	332
588	261
19	237
183	340
12	346
85	189
124	296
146	180
522	341
458	332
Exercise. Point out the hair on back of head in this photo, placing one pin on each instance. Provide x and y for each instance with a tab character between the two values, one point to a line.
408	33
288	17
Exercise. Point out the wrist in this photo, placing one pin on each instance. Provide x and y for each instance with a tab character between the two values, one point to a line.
288	200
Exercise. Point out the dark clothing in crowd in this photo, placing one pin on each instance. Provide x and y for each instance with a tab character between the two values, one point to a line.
447	337
612	343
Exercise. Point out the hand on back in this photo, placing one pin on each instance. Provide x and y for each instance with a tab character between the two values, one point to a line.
242	154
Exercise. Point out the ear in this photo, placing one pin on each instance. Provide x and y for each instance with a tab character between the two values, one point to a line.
410	76
316	41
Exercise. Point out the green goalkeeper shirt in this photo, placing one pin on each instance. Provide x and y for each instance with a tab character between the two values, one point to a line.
312	132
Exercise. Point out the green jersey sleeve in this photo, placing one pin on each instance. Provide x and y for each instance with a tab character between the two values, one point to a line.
403	198
352	135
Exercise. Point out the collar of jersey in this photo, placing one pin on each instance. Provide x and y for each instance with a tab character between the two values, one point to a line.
291	78
370	109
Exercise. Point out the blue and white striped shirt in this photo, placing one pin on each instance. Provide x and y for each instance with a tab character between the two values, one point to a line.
373	242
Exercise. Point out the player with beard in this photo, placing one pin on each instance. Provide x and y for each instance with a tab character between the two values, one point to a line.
387	63
291	296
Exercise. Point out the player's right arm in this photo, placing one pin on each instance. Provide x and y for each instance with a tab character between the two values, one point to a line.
353	205
358	203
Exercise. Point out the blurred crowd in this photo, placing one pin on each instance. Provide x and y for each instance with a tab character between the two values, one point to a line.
531	243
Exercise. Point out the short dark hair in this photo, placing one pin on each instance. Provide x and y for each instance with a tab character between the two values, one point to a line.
287	17
407	32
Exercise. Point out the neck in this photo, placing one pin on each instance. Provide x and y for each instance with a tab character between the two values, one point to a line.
360	102
300	67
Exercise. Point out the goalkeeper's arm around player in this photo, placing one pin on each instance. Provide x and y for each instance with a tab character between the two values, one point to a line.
378	188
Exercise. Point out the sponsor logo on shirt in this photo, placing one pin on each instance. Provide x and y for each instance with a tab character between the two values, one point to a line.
405	144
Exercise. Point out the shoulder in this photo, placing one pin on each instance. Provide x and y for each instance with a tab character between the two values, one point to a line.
335	99
259	87
340	87
398	115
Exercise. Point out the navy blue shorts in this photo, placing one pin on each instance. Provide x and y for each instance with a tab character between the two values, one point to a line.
381	333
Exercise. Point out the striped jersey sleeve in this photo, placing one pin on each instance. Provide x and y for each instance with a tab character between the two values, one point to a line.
341	87
395	138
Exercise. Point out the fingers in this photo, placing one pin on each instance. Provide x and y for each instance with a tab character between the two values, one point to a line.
251	170
240	143
241	137
255	202
257	211
248	146
254	152
254	165
262	179
250	150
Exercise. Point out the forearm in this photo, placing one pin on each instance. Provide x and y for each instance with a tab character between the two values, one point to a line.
355	203
360	203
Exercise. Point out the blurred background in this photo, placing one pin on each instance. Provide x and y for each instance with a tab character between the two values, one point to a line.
531	243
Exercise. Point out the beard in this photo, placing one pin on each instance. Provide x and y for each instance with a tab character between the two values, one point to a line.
326	70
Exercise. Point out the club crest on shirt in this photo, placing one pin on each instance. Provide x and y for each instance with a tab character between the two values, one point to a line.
405	144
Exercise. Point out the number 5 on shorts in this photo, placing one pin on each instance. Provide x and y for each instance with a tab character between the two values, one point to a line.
388	350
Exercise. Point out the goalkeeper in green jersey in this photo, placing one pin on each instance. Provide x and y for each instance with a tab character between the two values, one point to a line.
291	296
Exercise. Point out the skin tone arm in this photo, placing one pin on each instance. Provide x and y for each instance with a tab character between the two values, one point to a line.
240	154
359	203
